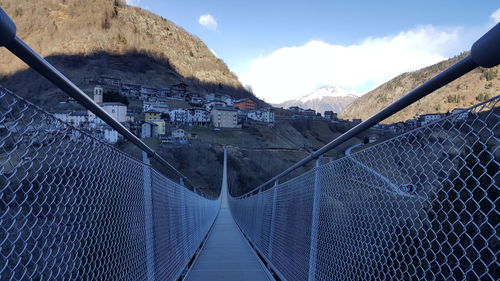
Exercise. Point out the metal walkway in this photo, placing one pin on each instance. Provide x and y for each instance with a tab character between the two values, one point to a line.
227	255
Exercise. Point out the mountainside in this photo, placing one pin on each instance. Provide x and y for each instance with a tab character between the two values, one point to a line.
107	37
323	99
474	87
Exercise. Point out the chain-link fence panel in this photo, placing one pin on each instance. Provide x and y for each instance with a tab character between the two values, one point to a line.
181	221
74	208
421	206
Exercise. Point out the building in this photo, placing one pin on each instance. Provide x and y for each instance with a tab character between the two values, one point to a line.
280	113
62	115
198	116
109	134
224	117
196	101
77	118
219	97
266	115
152	114
159	106
330	115
425	119
98	94
149	130
211	104
460	113
310	112
372	138
178	133
161	126
116	109
178	115
244	104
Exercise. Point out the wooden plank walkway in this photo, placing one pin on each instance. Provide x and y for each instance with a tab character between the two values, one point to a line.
227	255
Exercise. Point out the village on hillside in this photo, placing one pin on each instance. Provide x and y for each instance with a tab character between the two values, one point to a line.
165	113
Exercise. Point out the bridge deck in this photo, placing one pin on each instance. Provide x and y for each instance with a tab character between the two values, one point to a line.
226	255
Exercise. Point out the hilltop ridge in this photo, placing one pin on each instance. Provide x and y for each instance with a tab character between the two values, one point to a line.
108	37
468	90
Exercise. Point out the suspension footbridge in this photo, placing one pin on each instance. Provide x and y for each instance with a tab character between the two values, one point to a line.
75	208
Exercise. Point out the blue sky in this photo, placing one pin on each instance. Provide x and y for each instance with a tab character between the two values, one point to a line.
269	43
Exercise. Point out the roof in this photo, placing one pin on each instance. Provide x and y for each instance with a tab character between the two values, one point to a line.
242	100
150	123
225	108
112	103
78	113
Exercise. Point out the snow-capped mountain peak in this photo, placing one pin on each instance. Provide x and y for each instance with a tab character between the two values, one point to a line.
323	99
328	92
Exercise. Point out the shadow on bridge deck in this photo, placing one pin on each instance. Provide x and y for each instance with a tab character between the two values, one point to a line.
226	255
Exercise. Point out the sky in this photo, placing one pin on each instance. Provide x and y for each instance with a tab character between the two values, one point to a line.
287	49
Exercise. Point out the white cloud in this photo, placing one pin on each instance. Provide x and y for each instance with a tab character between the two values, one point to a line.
294	71
133	2
208	21
496	16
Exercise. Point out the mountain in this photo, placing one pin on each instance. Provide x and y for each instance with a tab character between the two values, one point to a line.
472	88
85	38
323	99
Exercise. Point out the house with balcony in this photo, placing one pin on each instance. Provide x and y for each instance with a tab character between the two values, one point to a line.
224	117
178	115
198	116
244	104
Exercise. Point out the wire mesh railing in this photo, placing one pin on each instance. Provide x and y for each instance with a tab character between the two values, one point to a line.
74	208
421	206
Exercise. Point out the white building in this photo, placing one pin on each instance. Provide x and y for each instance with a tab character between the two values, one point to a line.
220	97
428	118
117	110
211	104
198	116
63	116
178	133
109	134
160	106
265	115
149	130
75	118
178	115
179	136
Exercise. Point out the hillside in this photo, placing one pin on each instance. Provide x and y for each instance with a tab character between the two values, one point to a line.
256	153
106	37
323	99
466	91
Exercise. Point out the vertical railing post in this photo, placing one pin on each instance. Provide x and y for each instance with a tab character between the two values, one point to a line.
313	251
273	221
148	213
